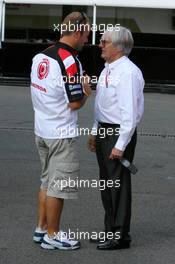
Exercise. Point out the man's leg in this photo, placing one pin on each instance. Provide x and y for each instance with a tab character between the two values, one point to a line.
42	219
49	212
41	228
105	194
121	199
54	209
123	214
63	165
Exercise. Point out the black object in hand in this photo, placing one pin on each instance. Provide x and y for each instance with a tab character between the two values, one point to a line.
130	166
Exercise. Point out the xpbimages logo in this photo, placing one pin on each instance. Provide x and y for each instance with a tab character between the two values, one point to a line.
85	131
81	183
102	236
83	27
92	80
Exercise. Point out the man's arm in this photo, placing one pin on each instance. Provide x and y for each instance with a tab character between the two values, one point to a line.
91	144
87	92
129	110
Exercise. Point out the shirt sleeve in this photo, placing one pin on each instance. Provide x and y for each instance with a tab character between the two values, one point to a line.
95	124
74	92
94	128
73	82
130	94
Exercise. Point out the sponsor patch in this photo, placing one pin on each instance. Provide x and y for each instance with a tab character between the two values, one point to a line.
75	86
43	69
76	92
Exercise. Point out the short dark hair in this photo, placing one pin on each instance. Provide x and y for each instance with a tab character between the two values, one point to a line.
77	20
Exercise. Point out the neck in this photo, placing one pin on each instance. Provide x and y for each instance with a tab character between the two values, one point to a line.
68	41
114	58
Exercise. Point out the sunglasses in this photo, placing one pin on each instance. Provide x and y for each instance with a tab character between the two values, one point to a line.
82	19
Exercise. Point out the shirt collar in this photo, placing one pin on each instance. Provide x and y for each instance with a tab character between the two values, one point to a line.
67	47
115	63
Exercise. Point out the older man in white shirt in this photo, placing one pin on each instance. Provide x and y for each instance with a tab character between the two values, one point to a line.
119	107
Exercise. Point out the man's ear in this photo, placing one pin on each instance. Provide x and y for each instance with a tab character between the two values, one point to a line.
77	34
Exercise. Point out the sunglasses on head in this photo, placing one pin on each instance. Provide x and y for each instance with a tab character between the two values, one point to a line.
82	19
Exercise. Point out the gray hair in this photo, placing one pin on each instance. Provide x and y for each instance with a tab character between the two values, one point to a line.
121	37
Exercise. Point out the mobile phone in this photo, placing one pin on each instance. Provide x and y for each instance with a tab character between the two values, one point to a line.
130	166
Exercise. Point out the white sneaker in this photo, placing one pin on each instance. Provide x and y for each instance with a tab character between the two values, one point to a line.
59	241
39	234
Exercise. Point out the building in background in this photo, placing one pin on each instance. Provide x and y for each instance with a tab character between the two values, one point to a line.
27	26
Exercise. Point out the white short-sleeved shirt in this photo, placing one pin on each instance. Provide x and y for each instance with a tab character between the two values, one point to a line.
51	94
119	98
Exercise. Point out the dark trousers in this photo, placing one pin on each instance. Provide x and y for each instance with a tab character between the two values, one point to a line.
116	200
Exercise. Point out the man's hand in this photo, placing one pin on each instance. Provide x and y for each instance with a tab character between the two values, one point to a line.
116	154
86	86
91	144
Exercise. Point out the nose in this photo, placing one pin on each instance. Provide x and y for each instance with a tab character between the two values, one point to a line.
100	45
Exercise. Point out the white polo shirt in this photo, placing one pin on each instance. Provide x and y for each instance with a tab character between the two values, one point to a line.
119	98
51	95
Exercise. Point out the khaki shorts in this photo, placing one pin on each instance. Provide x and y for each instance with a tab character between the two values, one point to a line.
60	166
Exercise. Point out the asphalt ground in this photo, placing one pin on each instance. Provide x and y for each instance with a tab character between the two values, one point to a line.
153	206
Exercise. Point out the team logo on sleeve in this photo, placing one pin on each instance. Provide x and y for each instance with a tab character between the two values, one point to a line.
43	69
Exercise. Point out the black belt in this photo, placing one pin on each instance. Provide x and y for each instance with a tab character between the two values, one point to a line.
106	125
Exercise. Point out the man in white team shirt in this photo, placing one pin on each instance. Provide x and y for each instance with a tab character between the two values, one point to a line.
57	91
119	107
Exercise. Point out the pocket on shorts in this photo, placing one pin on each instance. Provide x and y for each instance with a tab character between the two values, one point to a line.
66	177
72	140
68	167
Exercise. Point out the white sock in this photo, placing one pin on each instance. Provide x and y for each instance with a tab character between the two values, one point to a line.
40	230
